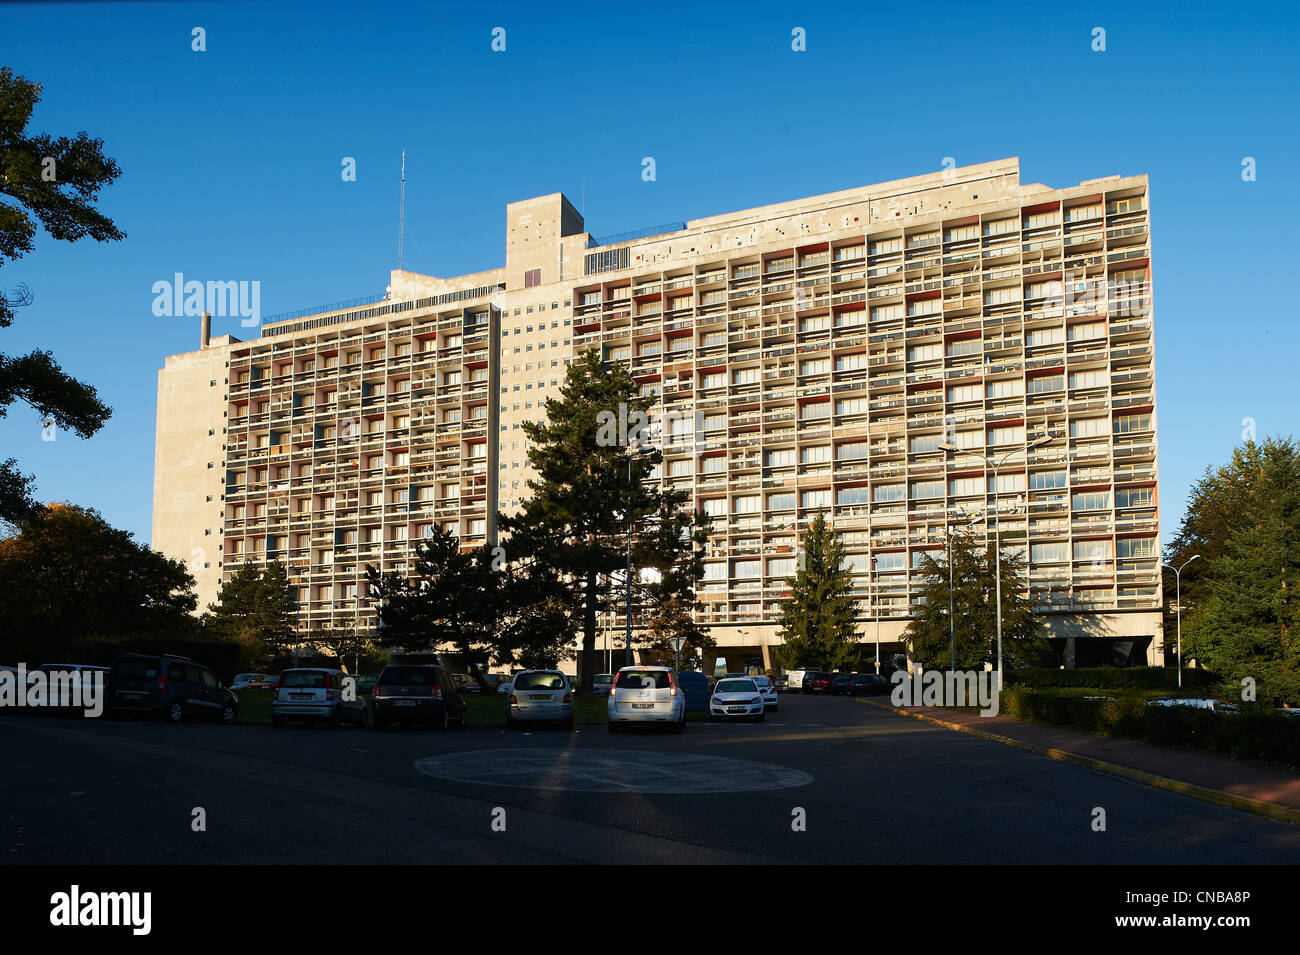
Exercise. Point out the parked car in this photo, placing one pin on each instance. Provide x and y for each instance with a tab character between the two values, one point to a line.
315	693
736	698
698	688
366	683
840	684
1205	703
167	685
267	682
494	680
505	685
767	689
646	694
540	695
794	680
409	694
242	681
601	682
815	681
869	684
65	686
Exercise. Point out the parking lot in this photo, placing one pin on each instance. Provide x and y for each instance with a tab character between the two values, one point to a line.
824	780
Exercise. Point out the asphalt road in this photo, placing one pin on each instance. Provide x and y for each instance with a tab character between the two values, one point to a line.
873	788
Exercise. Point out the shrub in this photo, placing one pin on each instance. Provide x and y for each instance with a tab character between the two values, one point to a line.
1114	678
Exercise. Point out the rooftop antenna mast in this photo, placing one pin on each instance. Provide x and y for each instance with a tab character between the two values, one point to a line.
401	214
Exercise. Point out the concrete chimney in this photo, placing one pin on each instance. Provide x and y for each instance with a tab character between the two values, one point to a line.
205	333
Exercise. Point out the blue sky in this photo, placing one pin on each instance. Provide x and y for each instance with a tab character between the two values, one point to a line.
231	164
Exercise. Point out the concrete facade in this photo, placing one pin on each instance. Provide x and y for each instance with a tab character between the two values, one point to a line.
809	354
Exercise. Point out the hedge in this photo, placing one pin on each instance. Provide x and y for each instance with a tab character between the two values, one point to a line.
1255	733
1113	678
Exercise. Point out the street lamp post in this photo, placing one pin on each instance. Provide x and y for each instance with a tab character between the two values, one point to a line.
1178	591
875	573
632	451
948	446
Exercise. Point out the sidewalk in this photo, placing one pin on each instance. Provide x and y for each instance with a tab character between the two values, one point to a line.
1266	790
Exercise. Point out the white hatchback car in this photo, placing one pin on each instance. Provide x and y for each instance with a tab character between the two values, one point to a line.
646	694
736	698
767	688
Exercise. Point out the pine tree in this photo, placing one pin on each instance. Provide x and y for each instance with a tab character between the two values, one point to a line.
256	608
974	602
575	524
816	623
1244	625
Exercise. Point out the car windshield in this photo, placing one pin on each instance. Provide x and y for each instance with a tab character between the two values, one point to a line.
310	679
409	676
736	686
629	679
602	678
541	680
762	681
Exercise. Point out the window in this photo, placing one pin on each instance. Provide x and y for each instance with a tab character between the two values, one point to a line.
532	279
1052	553
745	376
850	406
815	409
818	455
851	450
853	496
814	323
1130	547
926	489
780	459
1007	388
1096	550
1046	480
1085	331
815	499
783	501
816	366
1132	422
714	506
926	442
1002	296
963	487
924	352
1045	383
1088	428
1096	378
848	362
1135	497
781	567
887	493
964	347
959	393
1091	501
1045	336
747	569
715	464
1003	436
1007	483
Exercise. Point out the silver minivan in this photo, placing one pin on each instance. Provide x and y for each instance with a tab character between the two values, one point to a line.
540	695
646	694
316	693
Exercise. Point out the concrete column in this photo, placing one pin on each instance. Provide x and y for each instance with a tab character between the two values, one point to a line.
767	656
911	662
1070	652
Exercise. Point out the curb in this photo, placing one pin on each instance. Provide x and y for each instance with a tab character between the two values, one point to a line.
1228	800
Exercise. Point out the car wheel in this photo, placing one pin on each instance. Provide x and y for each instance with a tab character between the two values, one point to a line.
175	712
510	722
361	719
679	726
446	720
333	721
228	714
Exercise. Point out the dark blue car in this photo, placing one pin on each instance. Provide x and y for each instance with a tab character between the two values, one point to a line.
698	688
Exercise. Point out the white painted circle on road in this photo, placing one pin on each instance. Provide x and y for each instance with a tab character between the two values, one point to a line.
611	771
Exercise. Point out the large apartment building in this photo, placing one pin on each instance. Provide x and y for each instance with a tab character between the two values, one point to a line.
951	349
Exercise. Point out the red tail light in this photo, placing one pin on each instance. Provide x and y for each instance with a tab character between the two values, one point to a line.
568	698
329	687
435	693
162	682
513	700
